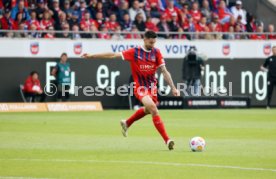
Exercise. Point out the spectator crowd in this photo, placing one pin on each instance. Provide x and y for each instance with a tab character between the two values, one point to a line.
107	18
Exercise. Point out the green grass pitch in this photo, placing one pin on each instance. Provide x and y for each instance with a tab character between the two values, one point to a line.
240	144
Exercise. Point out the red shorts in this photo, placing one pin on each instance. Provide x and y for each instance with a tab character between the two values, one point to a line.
141	92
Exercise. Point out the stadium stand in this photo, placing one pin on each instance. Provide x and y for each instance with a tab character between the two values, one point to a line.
107	19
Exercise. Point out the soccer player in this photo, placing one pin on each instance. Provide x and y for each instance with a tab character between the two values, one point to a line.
270	67
144	62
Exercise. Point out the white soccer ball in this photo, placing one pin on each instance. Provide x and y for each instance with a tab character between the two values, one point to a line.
197	144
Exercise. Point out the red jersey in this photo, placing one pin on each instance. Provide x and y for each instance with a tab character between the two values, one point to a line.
104	36
200	27
151	26
226	26
215	3
7	24
169	12
49	36
222	13
215	27
31	86
112	25
258	37
85	24
271	36
196	14
132	36
157	2
44	24
185	25
143	64
35	22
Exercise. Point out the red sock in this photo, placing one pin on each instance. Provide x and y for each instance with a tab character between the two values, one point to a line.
136	116
159	125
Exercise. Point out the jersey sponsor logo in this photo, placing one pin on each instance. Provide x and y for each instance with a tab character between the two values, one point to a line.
226	49
146	67
34	48
267	49
78	48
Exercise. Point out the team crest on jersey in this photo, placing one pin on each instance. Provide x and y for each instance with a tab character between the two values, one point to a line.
226	49
34	48
152	58
267	49
78	48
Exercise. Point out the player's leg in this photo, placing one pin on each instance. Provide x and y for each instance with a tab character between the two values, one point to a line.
270	85
42	97
140	113
30	97
67	94
151	108
59	93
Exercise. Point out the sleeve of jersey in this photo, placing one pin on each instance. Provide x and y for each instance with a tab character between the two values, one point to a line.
128	55
266	62
160	59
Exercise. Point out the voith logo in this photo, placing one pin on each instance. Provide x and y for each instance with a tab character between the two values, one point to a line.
34	48
267	49
78	48
226	49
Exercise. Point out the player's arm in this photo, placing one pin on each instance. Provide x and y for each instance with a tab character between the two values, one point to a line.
264	66
168	79
54	71
102	56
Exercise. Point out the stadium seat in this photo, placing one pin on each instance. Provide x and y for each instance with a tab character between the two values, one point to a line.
26	100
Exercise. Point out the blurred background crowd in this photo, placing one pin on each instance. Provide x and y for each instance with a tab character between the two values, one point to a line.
107	19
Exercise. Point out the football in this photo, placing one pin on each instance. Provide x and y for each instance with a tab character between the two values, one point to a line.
197	144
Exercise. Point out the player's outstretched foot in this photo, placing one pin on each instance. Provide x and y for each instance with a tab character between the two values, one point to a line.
124	127
170	144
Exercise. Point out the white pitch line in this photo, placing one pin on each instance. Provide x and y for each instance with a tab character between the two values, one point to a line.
145	162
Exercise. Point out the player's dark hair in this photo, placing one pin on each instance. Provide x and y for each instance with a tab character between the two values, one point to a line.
63	54
150	34
33	72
